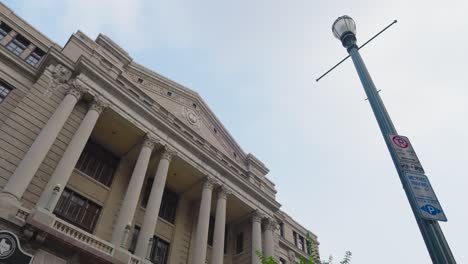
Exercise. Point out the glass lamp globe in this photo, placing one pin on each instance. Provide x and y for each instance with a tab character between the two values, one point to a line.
342	25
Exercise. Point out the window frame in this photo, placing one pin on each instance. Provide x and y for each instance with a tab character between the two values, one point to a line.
5	90
4	30
135	234
18	45
169	201
35	58
156	241
71	198
105	163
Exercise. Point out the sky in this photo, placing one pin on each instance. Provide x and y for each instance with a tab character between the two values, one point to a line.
255	64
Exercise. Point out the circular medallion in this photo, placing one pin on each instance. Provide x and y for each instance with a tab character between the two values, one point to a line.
192	117
7	245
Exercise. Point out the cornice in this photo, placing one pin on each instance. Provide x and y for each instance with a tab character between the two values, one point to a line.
162	117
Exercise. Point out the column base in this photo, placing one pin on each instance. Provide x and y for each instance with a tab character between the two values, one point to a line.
9	206
41	217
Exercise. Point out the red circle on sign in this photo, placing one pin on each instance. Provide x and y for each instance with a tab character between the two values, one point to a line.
400	142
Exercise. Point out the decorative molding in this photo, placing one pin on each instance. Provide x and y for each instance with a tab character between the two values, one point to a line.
168	153
209	183
59	78
223	192
149	142
98	104
291	255
77	89
257	216
271	224
192	117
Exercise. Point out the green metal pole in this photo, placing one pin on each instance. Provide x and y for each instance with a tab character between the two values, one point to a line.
433	236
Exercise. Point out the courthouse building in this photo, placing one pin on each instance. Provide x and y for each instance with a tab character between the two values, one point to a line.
105	161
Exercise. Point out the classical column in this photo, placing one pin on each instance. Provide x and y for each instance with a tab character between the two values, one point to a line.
69	159
133	192
256	236
154	203
27	168
220	227
201	236
269	238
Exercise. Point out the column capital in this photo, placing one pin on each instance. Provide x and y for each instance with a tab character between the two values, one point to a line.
209	182
149	142
168	153
257	216
98	104
77	89
223	192
271	224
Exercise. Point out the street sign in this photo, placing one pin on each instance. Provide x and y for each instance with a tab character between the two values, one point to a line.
406	154
424	197
10	249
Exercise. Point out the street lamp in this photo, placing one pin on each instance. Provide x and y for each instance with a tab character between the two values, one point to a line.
344	29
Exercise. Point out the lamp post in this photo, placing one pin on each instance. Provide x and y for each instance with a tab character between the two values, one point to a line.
344	29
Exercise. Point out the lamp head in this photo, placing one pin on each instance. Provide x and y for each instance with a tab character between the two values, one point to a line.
344	29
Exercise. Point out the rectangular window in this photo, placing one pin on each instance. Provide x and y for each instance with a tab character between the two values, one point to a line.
77	210
135	234
4	30
295	238
240	243
98	163
18	45
5	89
281	228
301	243
35	57
169	200
160	251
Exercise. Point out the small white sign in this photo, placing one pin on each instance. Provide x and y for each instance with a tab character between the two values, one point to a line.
424	197
406	155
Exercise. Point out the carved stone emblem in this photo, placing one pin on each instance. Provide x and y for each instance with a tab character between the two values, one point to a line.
58	79
192	117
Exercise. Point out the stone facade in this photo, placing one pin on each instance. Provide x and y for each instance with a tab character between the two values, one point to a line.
163	142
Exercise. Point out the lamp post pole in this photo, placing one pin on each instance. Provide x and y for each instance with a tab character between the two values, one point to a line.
344	29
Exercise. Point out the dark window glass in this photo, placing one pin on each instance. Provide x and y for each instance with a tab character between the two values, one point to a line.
98	163
211	231
167	211
4	30
18	45
135	234
239	243
77	210
35	57
160	251
282	261
281	228
295	238
5	89
301	243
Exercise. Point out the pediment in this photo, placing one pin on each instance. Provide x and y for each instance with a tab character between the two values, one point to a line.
187	106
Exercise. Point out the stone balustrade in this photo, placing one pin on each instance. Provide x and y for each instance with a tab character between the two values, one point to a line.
83	236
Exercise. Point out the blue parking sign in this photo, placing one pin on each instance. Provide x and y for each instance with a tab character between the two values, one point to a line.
424	196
